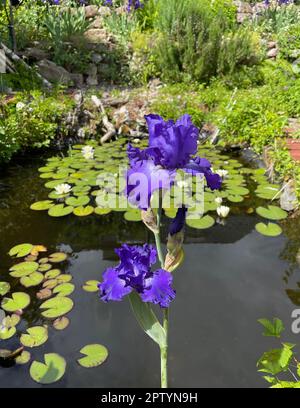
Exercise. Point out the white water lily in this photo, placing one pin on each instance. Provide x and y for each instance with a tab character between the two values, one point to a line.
63	188
219	200
223	211
222	173
88	152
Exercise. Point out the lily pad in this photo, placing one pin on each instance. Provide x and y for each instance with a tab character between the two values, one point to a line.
57	306
102	211
33	279
58	257
52	274
59	210
83	211
78	202
61	323
4	288
50	283
133	215
21	250
45	293
64	278
42	205
272	212
95	354
36	336
64	289
6	333
12	321
270	229
201	223
91	286
49	372
23	269
23	358
44	267
18	301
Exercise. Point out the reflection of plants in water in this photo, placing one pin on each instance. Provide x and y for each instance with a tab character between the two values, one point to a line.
280	366
291	254
37	282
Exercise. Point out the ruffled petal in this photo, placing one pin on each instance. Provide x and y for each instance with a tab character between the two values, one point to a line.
158	289
113	287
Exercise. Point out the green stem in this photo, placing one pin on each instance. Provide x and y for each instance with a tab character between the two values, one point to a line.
163	350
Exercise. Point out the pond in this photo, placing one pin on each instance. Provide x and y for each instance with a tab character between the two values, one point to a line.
231	276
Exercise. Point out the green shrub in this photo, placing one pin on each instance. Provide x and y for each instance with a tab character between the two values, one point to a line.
200	42
289	42
32	121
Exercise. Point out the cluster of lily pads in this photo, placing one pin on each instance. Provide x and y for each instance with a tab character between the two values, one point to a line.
33	268
75	182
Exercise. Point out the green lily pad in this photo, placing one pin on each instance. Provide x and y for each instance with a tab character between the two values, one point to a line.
52	274
59	210
133	215
42	205
50	283
23	358
4	288
33	279
49	372
83	211
44	267
6	333
12	321
270	229
95	354
36	336
64	278
272	212
23	269
235	198
21	250
61	323
78	202
18	301
102	211
64	289
57	257
201	223
91	286
57	306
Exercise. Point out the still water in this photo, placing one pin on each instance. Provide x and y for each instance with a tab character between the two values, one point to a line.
231	277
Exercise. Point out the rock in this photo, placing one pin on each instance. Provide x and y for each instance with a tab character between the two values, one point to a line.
97	23
272	53
36	54
97	58
271	44
104	11
91	11
77	79
54	73
96	35
288	198
92	79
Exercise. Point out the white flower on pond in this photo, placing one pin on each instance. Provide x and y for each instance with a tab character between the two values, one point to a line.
63	188
223	211
222	173
219	200
88	152
20	106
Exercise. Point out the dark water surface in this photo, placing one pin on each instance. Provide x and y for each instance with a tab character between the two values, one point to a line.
231	277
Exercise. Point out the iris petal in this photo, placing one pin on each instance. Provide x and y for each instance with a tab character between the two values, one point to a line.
113	287
159	289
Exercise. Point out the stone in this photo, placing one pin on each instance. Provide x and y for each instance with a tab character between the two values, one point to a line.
271	44
92	79
104	11
53	72
97	58
77	79
91	11
288	198
95	35
35	53
97	23
272	53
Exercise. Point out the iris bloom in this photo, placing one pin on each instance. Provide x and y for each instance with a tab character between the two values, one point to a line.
172	146
134	273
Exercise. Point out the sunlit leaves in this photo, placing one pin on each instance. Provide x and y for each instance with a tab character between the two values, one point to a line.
49	372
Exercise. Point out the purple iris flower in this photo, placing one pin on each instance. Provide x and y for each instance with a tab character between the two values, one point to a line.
134	273
171	147
178	222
